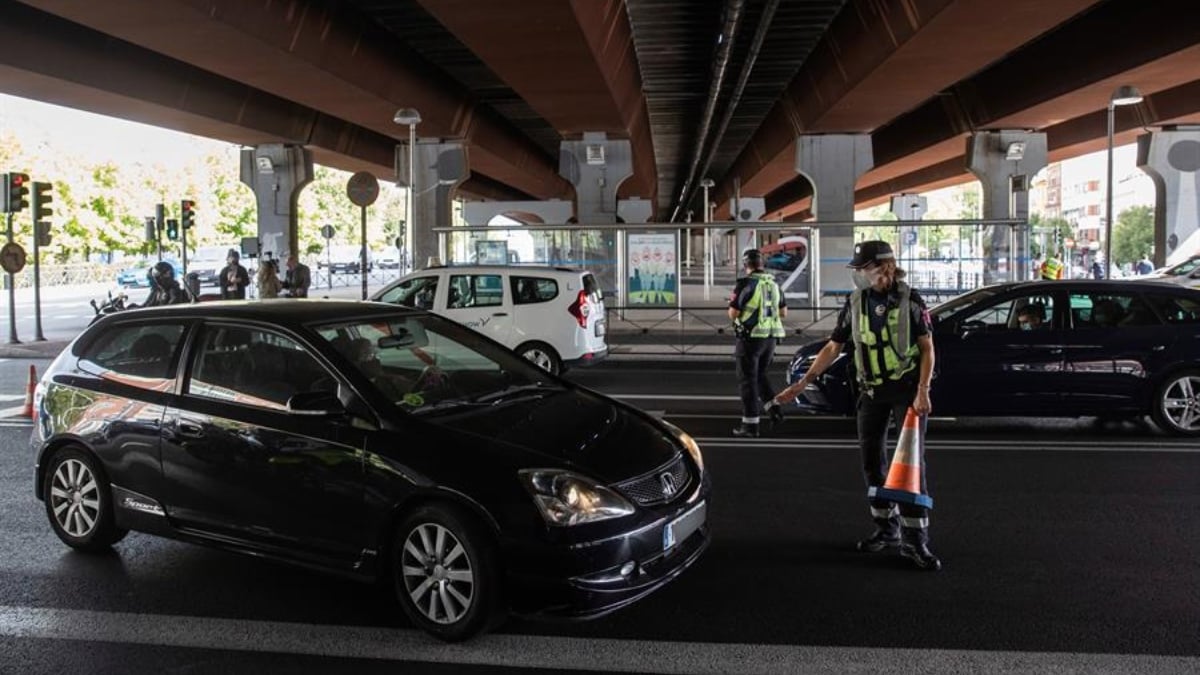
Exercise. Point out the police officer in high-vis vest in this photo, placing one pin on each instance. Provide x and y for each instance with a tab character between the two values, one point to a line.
1052	268
889	328
757	308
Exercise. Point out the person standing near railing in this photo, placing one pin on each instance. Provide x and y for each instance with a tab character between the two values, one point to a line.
757	308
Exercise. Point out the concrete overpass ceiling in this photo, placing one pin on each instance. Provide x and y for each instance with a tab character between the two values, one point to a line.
881	60
677	43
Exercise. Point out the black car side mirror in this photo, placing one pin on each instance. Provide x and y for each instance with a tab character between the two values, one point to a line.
317	403
967	328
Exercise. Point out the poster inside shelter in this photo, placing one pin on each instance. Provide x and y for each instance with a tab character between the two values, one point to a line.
652	269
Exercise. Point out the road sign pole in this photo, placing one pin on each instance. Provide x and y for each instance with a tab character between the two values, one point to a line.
37	285
362	254
12	294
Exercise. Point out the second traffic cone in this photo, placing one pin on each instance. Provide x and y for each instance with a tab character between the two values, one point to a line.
903	482
30	384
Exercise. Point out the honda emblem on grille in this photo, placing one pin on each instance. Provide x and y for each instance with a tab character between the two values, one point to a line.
668	484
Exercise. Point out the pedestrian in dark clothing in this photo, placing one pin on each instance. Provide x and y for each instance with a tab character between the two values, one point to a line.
298	278
233	278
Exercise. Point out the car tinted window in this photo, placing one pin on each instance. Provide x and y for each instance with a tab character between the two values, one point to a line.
475	290
1109	310
592	288
425	363
1176	309
255	367
417	292
530	290
1007	314
142	355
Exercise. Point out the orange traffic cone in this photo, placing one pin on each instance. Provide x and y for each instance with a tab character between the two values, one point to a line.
29	387
903	482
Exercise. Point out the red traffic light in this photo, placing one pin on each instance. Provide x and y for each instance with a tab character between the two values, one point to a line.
17	178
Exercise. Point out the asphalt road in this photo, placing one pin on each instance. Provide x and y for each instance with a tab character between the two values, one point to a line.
1068	546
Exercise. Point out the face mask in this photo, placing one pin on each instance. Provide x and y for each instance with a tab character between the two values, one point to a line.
1026	326
861	280
866	278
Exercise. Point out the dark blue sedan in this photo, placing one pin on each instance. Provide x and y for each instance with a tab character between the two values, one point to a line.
1114	349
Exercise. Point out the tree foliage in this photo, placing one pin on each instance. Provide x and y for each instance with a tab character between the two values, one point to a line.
100	207
1133	234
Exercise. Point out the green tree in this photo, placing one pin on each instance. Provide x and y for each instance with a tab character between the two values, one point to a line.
1049	233
1133	234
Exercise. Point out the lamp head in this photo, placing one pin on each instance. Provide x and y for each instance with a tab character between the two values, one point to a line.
707	182
1126	95
407	116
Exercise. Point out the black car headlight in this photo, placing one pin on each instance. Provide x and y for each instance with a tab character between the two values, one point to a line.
566	498
688	443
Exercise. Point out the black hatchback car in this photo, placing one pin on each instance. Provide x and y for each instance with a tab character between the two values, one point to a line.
1103	348
373	441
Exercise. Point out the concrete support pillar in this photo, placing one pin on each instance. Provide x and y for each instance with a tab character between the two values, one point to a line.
596	166
909	208
833	164
1005	163
1172	158
277	173
440	167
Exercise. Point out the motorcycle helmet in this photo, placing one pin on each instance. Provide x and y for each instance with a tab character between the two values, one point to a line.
162	271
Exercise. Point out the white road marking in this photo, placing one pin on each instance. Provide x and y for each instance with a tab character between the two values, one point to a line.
1025	445
675	397
557	653
12	397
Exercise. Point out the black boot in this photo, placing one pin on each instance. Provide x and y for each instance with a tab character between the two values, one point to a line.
774	413
746	430
887	535
915	547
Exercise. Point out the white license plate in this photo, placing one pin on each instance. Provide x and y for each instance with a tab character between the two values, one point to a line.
684	526
601	329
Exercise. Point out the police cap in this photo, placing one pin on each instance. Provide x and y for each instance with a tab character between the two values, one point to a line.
867	252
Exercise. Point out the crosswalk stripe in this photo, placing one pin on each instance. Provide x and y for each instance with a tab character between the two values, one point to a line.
546	652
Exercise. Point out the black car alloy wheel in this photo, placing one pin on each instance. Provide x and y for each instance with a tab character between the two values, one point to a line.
79	501
1177	404
444	571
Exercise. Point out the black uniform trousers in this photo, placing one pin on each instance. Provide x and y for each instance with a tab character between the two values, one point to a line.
888	402
753	362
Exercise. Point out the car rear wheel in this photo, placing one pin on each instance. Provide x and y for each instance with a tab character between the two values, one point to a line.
1177	404
543	356
79	502
445	573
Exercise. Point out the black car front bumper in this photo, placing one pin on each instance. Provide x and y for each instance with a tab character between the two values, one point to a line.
587	579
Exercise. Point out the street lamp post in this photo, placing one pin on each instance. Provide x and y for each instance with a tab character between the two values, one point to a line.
412	118
708	243
1124	95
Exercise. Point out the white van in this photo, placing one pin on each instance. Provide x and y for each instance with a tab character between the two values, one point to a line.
553	316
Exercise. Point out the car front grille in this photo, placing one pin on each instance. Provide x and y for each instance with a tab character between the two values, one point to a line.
651	488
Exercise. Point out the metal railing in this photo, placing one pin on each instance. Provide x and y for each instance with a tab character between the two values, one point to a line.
687	331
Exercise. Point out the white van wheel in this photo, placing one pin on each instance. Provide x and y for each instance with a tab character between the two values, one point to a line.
542	355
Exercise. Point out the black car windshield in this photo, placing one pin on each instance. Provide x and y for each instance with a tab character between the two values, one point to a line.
423	363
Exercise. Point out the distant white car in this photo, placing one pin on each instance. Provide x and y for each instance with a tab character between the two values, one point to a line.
1186	273
553	316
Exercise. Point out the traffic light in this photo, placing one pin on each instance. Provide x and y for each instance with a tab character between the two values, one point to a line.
172	229
42	232
15	190
41	202
187	208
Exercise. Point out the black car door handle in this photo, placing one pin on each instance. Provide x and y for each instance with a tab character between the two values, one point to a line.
190	429
500	314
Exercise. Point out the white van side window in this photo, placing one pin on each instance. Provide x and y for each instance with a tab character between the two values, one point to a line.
475	290
530	290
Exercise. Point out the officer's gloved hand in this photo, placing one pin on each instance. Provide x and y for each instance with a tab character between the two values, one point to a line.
774	413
